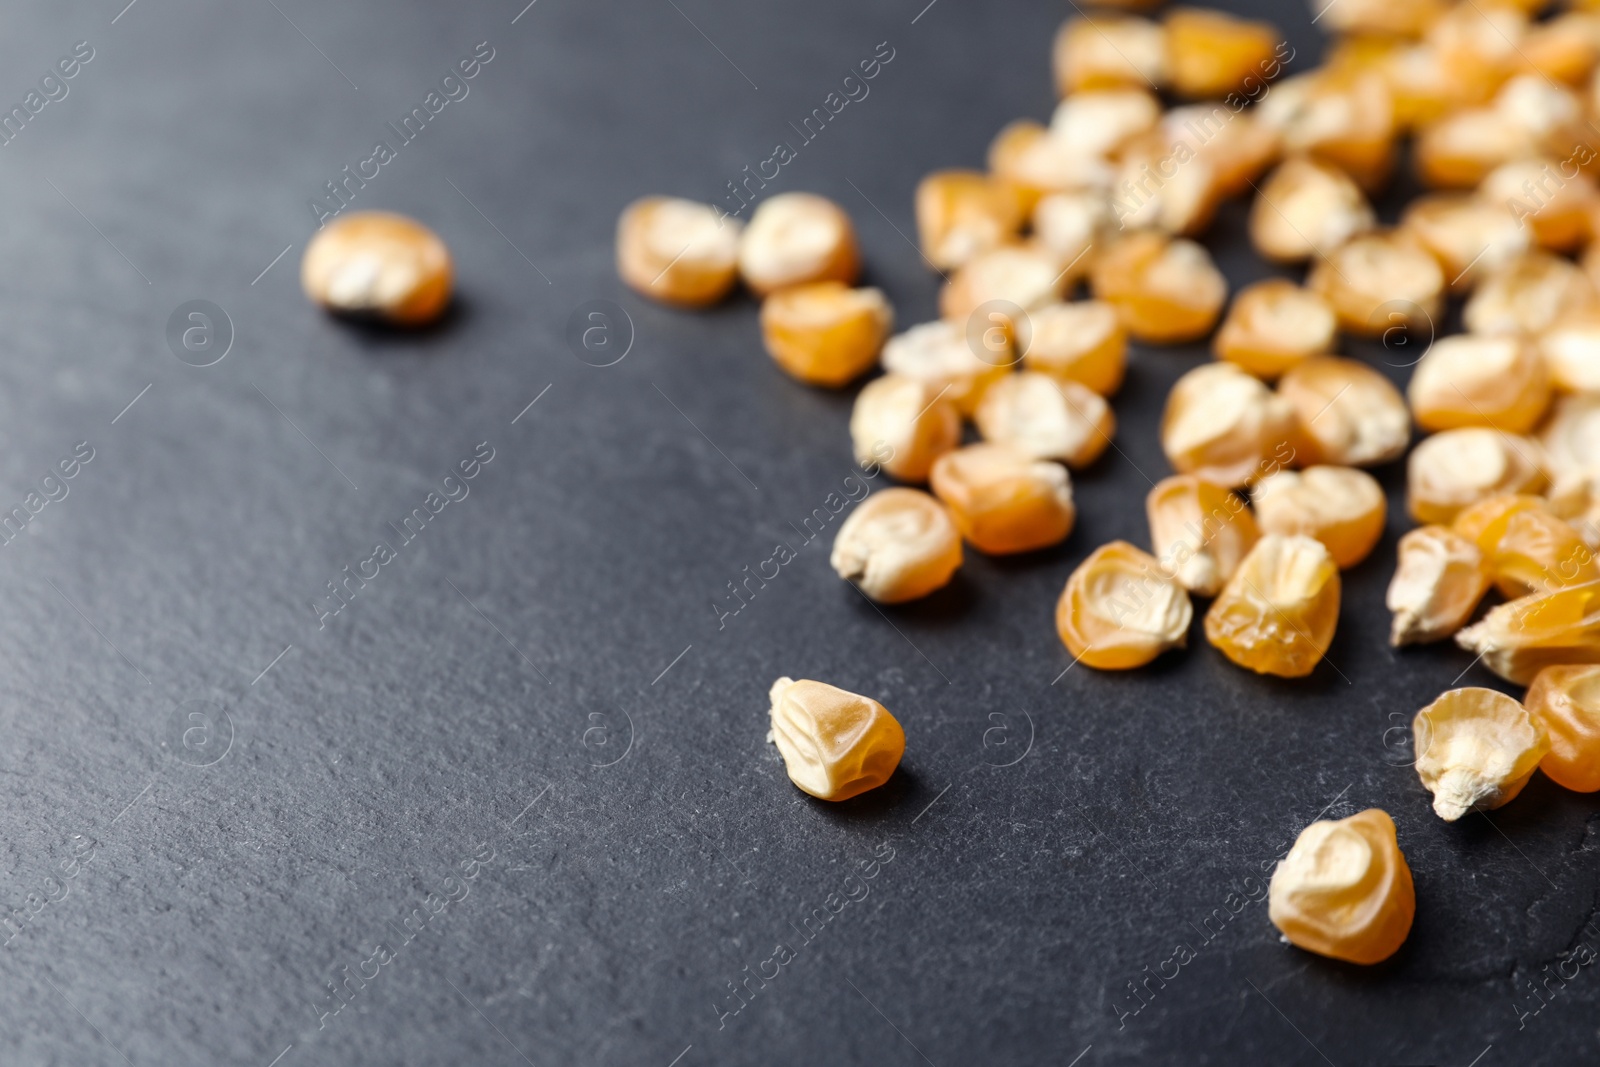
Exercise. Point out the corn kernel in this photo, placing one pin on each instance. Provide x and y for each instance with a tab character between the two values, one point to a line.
1165	291
1529	115
1477	48
938	353
1388	18
795	239
1479	381
1026	157
1437	584
1109	51
1576	498
961	213
677	251
1047	418
1349	414
1003	500
903	424
1469	235
1237	147
380	264
1345	118
1528	295
1070	224
1518	639
1200	530
825	332
1378	281
1566	702
1274	325
1306	209
835	744
1278	612
1476	749
1079	342
1526	547
1211	54
1557	211
1342	507
1571	351
1098	123
1119	610
1226	426
898	545
1424	90
1571	437
1344	890
1566	48
1484	522
1161	188
1024	275
1450	470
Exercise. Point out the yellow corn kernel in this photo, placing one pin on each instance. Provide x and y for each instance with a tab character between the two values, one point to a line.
1226	426
1566	48
1424	90
1476	749
1098	123
1306	209
1278	612
1344	890
1466	380
1274	325
1566	702
1484	522
1559	208
677	251
1026	156
1386	18
1047	418
1349	414
835	744
962	212
1109	51
903	425
1003	500
1080	342
1518	639
1237	147
1576	498
825	333
1211	54
1025	275
1345	118
1529	116
939	353
1469	235
1571	437
1477	48
380	264
1450	470
1120	610
1437	584
898	545
1161	188
1342	507
1528	295
1070	224
1166	291
1526	548
1571	351
1200	530
796	239
1379	281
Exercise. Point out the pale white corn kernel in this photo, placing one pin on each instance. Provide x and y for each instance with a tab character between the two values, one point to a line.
1047	418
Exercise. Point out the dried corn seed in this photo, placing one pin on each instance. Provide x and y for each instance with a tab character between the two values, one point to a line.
1026	276
1028	158
1226	426
1450	470
1571	352
1476	749
1571	437
1469	235
1566	702
1200	530
1379	281
1529	295
1047	418
835	744
1157	185
1164	290
938	353
1097	123
1306	209
1540	553
1278	612
898	545
1349	414
1576	498
1069	225
1384	18
1554	206
825	333
1484	522
1437	584
1080	342
1345	118
1003	500
1565	49
1461	149
1237	146
903	424
797	238
1477	48
677	251
1119	610
1518	639
1212	54
1465	380
1109	51
1344	890
961	213
381	264
1424	91
1274	325
1342	507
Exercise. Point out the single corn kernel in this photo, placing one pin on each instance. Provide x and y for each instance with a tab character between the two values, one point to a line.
1379	281
1566	702
1081	342
1571	351
1166	291
1526	547
825	333
1450	470
1027	276
1098	123
1469	235
1070	224
1529	116
1484	522
898	545
1237	146
380	264
903	425
835	744
1345	118
797	238
1109	51
677	251
1424	89
1349	414
1344	890
1226	426
939	353
961	213
1200	530
1576	498
1555	207
1047	418
1278	612
1479	381
1274	325
1517	640
1026	156
1211	54
1529	295
1565	49
1003	500
1437	584
1386	18
1476	749
1342	507
1477	48
1162	188
1121	610
1306	209
1571	437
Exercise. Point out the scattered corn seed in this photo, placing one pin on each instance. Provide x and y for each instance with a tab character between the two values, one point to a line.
1003	500
898	545
1120	610
1565	48
1342	507
904	425
1277	614
1571	437
1476	749
1566	702
1349	414
1469	235
1465	380
835	744
1200	530
1528	295
1554	206
938	353
1383	18
1097	123
677	251
1274	325
1161	185
1226	426
1212	54
381	264
1530	115
1046	417
1025	275
1028	158
1109	51
1306	209
1379	281
825	332
1345	118
1344	890
1070	224
1437	584
1571	352
961	213
1236	145
1576	498
1453	469
1526	547
1080	342
1518	639
1164	290
796	238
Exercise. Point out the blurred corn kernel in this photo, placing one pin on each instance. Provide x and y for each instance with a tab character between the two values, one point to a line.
1342	507
1200	530
796	239
1003	500
825	333
1047	418
1225	426
1349	414
381	264
677	251
903	424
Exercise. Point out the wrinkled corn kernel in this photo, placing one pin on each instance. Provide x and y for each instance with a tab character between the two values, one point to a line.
1081	342
1274	325
939	353
1450	470
1200	530
1476	749
1566	702
1211	54
1306	209
1349	414
1345	118
1047	418
1226	426
1518	639
1571	437
795	239
1528	295
1526	548
1576	498
1342	507
835	744
1070	224
825	332
898	545
1109	51
961	213
677	251
1003	500
1554	207
1437	584
1278	612
1165	291
1027	276
380	264
1119	609
1571	352
1379	281
1469	235
1479	381
903	424
1344	890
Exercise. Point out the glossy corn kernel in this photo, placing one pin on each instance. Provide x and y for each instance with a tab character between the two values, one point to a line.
1437	584
898	545
1526	548
380	264
1306	209
825	333
1476	749
1080	342
1225	426
1576	498
1200	530
1529	295
1003	500
1109	51
795	239
1387	18
1158	186
1120	609
940	354
1566	702
1070	225
1027	276
1345	118
1456	468
1212	54
1470	236
835	744
1349	414
961	213
1571	352
1571	437
1342	507
1520	638
903	424
1047	418
1379	281
1274	325
1034	164
1165	291
1555	208
1278	612
1467	380
677	251
1344	890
